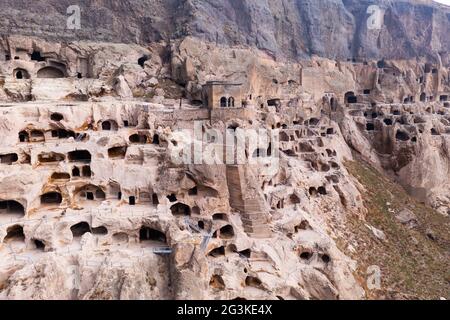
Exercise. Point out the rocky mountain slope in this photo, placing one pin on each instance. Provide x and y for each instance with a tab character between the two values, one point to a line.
346	195
285	28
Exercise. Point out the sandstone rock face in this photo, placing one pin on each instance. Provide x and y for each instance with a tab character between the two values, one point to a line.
113	179
292	29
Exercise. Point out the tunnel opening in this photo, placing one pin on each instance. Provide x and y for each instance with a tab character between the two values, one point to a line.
14	233
155	139
217	252
274	102
253	282
155	199
180	209
370	126
149	234
138	139
388	122
63	176
79	229
40	245
142	60
322	191
36	56
217	282
117	152
51	157
86	171
172	198
227	232
401	136
37	136
193	191
220	217
80	156
110	125
21	74
306	255
100	231
23	136
50	73
11	207
51	198
9	158
75	172
56	117
350	98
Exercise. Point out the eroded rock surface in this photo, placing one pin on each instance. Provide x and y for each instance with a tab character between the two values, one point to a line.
96	204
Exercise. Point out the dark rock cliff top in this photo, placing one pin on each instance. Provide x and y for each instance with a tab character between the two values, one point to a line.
285	28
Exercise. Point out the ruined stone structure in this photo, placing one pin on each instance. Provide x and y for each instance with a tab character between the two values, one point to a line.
92	194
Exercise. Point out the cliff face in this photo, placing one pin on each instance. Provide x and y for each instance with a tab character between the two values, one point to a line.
285	28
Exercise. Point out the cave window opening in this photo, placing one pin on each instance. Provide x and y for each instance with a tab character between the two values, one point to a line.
50	73
100	231
155	199
80	156
9	158
11	207
231	102
24	136
155	139
21	74
402	136
117	152
322	190
423	97
370	127
56	116
326	258
80	229
227	232
51	198
87	171
223	102
39	244
60	176
220	216
132	201
149	234
306	255
180	209
36	56
142	60
217	252
193	191
14	233
350	97
75	172
90	196
274	102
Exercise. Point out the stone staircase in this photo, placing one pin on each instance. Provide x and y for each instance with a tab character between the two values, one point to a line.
253	216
